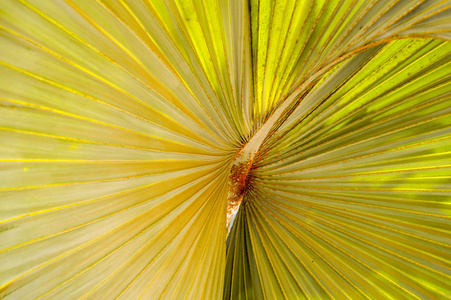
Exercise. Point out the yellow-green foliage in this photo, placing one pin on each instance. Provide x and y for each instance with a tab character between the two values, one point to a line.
120	121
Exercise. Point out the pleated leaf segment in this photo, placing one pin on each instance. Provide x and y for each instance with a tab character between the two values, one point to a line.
261	149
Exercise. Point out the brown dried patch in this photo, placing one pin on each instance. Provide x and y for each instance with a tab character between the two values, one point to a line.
237	183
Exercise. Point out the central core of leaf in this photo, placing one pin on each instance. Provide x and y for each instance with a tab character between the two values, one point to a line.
244	159
238	181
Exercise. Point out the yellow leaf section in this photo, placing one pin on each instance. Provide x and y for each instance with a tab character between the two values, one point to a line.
116	140
349	197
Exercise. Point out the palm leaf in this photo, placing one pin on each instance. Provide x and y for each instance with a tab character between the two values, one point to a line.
225	149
